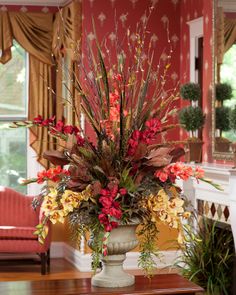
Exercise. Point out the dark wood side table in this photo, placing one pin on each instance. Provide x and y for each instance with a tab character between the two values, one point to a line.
163	284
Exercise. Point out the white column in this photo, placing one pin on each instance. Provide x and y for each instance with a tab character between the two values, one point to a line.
232	198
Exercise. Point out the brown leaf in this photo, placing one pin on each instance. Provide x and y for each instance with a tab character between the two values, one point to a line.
177	153
79	173
159	157
140	153
76	185
56	157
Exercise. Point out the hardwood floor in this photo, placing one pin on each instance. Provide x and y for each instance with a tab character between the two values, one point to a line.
24	270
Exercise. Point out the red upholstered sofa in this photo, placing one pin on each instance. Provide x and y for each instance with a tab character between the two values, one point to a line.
17	224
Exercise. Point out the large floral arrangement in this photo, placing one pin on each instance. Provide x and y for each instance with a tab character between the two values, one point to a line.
130	172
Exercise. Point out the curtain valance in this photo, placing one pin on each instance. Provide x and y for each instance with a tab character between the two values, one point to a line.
45	36
225	37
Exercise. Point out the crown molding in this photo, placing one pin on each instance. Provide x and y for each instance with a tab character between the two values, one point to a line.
35	2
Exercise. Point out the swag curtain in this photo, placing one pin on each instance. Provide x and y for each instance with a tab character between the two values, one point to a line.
226	37
38	34
33	31
66	47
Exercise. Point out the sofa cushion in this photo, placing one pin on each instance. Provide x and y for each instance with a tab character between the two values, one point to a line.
19	232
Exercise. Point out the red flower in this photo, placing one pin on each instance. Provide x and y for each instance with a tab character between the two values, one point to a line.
123	191
59	126
54	174
114	98
115	213
38	120
162	175
105	192
103	218
80	140
199	172
153	125
106	201
136	134
117	77
68	129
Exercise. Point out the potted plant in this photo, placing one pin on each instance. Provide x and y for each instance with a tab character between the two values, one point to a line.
190	91
208	257
127	176
223	92
222	124
192	119
232	124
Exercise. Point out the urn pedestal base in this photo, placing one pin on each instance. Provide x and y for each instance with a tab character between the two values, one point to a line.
113	274
121	240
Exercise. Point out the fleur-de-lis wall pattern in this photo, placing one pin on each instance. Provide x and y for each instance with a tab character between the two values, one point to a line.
171	15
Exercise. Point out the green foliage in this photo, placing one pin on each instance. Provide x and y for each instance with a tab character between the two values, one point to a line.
127	181
192	118
232	119
190	91
207	258
223	91
148	248
222	118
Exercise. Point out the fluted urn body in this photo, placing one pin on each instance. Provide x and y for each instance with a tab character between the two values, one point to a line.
121	240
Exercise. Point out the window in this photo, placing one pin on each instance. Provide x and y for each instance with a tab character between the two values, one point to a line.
228	75
13	106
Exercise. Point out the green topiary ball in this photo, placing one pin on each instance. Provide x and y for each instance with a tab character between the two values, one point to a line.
192	118
232	119
223	91
190	91
222	118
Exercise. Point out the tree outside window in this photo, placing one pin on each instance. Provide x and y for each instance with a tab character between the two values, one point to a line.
13	106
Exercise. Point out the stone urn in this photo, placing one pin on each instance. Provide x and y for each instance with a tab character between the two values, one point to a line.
121	240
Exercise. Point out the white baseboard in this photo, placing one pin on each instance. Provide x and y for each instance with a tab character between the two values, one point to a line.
83	261
57	249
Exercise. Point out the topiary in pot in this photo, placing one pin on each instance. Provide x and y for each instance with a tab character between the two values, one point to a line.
190	91
192	119
222	119
232	125
232	119
223	91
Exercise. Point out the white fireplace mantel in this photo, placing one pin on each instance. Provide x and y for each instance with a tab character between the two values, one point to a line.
217	205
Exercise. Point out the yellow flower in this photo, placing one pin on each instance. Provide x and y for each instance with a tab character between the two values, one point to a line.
49	202
186	214
176	206
69	200
57	216
86	194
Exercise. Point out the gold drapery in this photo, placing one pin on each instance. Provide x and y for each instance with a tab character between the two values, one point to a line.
33	31
225	37
66	47
5	37
40	76
42	35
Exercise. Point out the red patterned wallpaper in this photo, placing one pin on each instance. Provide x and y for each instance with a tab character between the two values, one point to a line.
28	8
126	13
189	10
207	79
